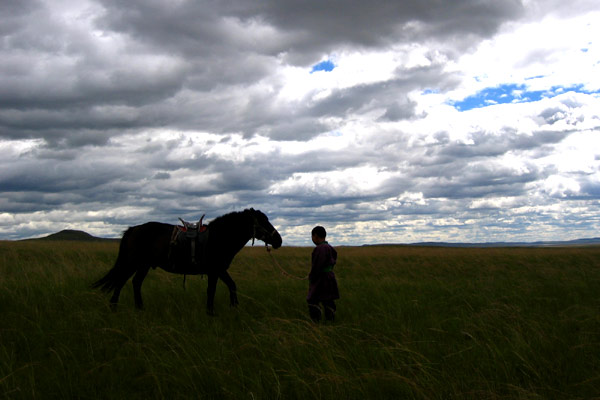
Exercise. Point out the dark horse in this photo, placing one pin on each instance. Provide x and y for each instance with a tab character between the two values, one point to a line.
151	245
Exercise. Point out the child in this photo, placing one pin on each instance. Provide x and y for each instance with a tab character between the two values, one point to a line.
323	286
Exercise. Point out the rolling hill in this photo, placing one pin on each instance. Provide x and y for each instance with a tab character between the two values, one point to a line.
73	235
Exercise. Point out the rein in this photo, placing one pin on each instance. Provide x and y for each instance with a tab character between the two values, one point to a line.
283	272
264	238
256	224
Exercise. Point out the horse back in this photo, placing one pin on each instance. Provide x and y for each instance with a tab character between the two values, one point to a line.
147	243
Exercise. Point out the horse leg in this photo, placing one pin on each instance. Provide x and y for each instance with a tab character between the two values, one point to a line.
225	277
114	300
137	281
210	293
122	280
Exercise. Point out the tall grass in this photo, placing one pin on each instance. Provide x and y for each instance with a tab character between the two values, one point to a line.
414	323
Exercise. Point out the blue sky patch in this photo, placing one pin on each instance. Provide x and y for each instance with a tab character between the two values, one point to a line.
511	93
326	65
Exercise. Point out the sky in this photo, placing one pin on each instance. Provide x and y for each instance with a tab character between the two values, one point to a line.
384	121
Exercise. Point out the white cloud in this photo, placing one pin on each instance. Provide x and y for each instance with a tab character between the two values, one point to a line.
561	186
537	53
350	182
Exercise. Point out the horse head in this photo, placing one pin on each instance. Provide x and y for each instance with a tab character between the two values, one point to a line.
263	230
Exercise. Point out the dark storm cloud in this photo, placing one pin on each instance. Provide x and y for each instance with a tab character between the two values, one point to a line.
305	30
68	180
477	182
378	23
498	143
142	64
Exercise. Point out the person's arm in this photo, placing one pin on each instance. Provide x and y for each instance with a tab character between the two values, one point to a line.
319	259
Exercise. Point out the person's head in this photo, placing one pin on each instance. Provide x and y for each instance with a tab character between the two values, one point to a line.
318	234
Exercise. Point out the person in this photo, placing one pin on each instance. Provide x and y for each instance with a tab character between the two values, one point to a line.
323	287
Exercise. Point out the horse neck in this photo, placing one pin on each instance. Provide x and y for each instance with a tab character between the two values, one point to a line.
232	231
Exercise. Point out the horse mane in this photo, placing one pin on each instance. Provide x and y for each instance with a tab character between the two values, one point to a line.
226	219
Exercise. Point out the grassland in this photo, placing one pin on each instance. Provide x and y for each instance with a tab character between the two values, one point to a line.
413	323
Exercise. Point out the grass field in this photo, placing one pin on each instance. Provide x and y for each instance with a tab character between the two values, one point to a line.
413	323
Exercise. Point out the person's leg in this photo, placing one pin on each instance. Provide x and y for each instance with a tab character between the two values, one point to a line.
330	309
314	310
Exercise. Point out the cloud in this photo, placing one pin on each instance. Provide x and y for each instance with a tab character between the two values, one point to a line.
407	121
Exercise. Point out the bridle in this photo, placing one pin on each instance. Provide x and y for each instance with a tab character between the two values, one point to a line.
264	232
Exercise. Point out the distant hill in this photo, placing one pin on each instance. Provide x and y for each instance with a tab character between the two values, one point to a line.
73	235
576	242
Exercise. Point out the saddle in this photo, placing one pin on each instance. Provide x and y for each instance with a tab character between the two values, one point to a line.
192	234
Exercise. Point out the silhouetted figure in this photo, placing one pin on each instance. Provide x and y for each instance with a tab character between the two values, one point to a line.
323	287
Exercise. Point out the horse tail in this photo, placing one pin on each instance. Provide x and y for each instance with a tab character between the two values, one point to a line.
114	277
